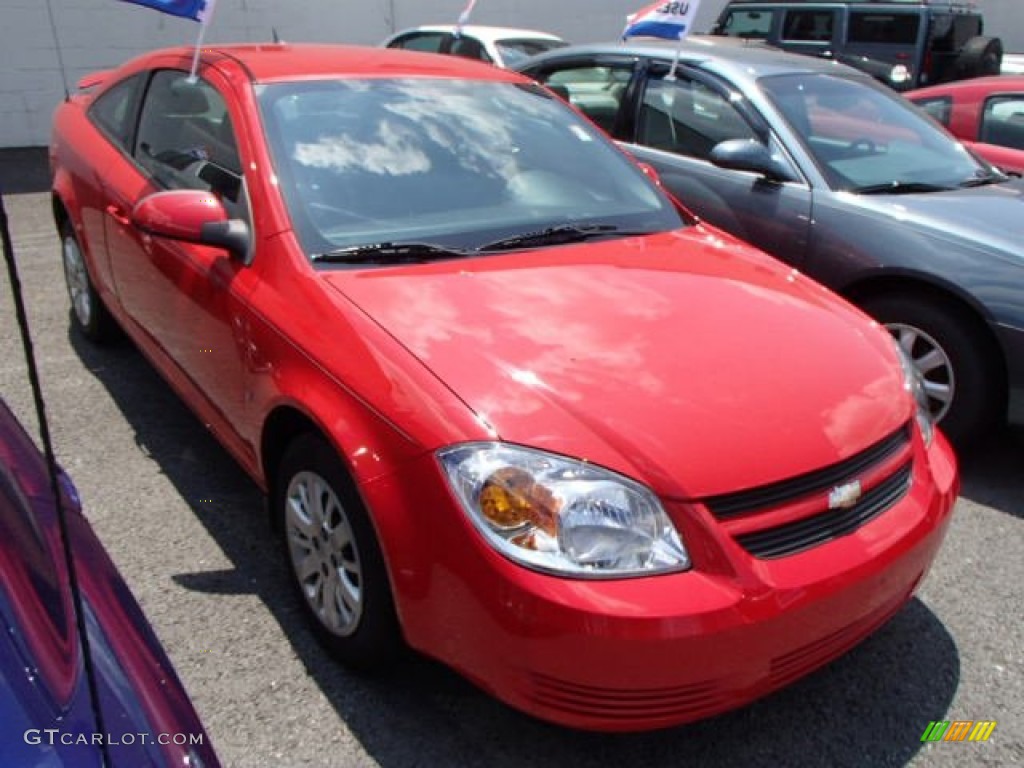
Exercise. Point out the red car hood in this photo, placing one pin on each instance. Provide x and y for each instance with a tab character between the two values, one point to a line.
683	360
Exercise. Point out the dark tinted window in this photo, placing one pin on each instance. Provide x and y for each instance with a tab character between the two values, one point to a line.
469	48
429	42
870	27
808	26
112	111
751	24
185	138
939	108
688	118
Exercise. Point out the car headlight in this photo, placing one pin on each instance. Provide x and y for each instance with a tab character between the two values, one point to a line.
560	515
913	382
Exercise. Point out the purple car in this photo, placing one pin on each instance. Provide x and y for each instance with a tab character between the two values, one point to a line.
125	708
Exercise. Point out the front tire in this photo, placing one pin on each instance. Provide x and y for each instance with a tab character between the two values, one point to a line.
88	312
336	564
962	374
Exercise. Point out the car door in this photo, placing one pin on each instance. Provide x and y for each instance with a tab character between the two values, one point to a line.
673	126
186	302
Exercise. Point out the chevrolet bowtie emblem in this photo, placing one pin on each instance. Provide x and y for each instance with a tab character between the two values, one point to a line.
844	496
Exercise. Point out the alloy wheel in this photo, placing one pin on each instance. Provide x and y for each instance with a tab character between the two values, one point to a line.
77	278
323	553
932	362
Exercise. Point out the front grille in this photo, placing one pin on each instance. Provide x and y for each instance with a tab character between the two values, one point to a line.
729	505
630	704
797	536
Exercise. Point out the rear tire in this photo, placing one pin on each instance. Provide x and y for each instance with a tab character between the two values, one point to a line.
335	561
954	357
88	312
979	57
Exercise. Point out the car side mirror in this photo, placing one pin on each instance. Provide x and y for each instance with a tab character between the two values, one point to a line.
193	216
749	155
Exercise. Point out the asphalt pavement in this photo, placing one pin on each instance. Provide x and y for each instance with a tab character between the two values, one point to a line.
188	530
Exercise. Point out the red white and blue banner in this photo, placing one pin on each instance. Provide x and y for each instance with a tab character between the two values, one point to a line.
668	20
197	10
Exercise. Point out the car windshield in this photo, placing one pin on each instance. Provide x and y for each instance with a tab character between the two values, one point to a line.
515	50
865	138
456	164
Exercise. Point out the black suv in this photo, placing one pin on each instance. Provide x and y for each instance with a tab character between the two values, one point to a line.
904	43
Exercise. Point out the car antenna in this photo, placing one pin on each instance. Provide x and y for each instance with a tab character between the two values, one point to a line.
60	56
276	37
51	467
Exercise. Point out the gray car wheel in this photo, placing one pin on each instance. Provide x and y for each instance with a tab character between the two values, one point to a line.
963	375
336	564
88	312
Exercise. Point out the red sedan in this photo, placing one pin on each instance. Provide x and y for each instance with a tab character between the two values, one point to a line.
986	112
512	405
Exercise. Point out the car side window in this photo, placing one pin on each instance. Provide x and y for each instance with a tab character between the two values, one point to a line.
808	26
113	111
469	48
939	108
597	91
1002	122
749	24
688	118
429	42
890	28
186	140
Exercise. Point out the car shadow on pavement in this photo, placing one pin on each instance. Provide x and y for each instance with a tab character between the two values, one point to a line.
993	474
868	708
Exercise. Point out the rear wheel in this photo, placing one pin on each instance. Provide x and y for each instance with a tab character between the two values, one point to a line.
980	56
962	373
336	563
88	312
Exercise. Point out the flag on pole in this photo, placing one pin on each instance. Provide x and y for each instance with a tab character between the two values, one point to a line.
669	20
464	18
197	10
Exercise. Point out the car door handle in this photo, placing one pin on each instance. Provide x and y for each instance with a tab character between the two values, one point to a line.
118	215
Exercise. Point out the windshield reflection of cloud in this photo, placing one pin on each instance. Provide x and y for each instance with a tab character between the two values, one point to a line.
394	153
452	116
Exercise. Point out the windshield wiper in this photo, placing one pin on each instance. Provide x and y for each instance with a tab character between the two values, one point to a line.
559	235
389	253
983	180
898	188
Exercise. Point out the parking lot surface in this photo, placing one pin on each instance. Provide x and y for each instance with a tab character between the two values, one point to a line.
188	530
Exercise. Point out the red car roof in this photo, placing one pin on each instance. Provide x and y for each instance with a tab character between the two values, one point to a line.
285	61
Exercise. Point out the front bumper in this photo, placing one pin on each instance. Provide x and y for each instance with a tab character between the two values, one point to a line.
652	652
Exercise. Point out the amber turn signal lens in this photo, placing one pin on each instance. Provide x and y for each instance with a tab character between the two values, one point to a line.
511	499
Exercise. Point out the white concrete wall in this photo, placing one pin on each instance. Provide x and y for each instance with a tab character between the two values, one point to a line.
98	34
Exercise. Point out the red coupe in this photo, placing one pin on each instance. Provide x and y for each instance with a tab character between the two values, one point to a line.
511	404
986	112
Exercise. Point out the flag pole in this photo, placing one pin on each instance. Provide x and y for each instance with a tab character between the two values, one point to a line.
463	18
675	58
204	20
